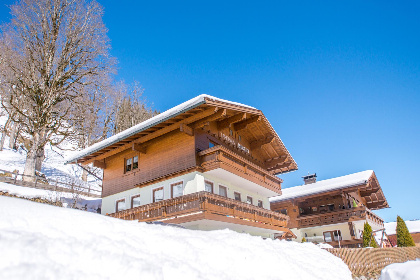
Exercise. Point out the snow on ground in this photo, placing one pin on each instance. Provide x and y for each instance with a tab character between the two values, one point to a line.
53	166
402	271
47	242
68	199
413	226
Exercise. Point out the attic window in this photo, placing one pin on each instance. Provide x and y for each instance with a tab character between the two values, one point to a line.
131	163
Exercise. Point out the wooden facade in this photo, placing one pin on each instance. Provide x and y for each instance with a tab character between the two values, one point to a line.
211	135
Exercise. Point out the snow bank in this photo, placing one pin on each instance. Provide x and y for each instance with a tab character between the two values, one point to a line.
402	271
47	242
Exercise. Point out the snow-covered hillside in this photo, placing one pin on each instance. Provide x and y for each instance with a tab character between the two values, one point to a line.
47	242
53	166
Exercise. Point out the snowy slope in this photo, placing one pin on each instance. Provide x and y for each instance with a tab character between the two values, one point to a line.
53	166
402	271
68	199
46	242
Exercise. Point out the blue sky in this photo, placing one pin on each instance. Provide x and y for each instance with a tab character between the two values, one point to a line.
339	81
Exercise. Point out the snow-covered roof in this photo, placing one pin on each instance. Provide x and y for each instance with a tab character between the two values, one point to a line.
324	186
181	108
413	226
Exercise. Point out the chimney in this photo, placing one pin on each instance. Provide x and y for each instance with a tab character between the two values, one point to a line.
309	179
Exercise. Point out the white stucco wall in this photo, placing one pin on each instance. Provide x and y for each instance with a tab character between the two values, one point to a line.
193	182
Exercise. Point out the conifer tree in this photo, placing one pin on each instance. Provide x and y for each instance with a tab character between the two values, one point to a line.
368	237
404	238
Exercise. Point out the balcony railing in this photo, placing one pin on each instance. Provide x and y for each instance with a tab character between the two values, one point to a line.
339	216
203	202
221	157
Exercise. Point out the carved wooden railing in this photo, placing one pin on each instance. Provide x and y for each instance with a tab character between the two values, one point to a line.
203	202
213	157
339	216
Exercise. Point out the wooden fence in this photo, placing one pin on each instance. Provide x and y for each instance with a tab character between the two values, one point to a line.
362	261
70	185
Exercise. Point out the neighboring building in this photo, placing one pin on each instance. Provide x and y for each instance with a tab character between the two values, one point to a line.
333	211
205	164
413	228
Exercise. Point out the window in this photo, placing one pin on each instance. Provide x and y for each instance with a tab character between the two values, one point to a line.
237	196
177	189
230	132
131	163
314	209
327	236
223	191
239	138
283	211
260	203
334	235
128	164
158	194
120	205
135	200
330	207
249	200
135	162
208	186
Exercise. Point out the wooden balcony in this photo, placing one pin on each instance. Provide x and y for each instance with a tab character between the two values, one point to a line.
221	157
339	216
202	206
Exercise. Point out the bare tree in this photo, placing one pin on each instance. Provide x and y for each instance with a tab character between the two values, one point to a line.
53	49
131	107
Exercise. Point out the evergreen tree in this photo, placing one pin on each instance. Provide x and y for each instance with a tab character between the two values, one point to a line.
404	238
368	237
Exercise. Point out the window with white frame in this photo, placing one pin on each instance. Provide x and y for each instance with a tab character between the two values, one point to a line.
237	196
260	203
177	189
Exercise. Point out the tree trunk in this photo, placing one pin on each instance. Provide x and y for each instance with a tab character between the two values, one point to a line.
36	149
13	136
40	158
4	133
84	175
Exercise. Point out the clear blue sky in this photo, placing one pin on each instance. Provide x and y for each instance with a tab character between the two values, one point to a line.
340	82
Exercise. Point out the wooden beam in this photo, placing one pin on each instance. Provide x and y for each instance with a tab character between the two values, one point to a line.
243	124
99	163
258	143
186	129
274	162
231	120
287	163
154	134
219	114
139	148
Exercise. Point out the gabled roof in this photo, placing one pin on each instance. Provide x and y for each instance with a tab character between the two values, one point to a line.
338	183
181	112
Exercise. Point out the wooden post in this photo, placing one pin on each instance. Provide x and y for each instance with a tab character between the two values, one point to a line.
16	174
36	180
56	184
89	191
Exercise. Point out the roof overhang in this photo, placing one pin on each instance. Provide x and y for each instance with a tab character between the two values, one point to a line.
193	113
